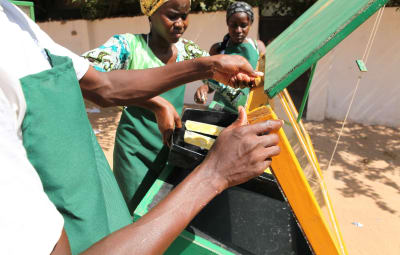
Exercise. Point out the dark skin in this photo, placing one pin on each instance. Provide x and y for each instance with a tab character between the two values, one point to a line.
239	25
153	233
168	24
248	154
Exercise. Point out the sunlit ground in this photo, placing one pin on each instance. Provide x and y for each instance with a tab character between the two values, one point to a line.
363	182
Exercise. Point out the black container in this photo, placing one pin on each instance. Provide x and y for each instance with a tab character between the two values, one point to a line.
252	218
188	156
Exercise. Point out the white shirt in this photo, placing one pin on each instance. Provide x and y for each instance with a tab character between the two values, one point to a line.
29	222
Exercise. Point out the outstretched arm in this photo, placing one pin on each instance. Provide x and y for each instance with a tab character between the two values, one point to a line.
240	153
245	152
131	87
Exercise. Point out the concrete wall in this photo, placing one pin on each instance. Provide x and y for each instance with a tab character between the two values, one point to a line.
81	35
378	98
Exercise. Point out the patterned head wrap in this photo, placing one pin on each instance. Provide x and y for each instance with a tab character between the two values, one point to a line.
240	7
150	6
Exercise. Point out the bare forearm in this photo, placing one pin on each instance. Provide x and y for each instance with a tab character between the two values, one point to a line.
123	87
153	104
154	232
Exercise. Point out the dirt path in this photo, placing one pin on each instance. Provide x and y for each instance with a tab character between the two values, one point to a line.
363	180
363	183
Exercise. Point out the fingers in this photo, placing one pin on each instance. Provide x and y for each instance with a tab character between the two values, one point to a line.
259	74
241	120
265	127
200	96
261	158
268	140
271	151
246	69
197	97
242	80
265	154
167	137
178	122
203	97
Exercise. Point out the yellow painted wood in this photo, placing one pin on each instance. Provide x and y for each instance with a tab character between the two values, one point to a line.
257	97
291	111
203	128
294	184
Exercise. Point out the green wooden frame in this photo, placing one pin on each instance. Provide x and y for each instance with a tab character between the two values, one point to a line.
312	36
26	4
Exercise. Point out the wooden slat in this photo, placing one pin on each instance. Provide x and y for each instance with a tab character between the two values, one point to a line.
311	36
299	194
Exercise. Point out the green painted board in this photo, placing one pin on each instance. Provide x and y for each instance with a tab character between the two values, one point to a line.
26	7
310	37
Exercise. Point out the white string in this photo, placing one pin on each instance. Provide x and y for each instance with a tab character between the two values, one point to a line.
371	35
365	59
373	38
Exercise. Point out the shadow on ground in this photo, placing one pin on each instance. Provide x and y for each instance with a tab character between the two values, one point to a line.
372	152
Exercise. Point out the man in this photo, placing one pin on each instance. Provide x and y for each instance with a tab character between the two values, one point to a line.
44	120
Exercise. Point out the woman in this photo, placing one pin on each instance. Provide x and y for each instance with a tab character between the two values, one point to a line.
239	18
139	151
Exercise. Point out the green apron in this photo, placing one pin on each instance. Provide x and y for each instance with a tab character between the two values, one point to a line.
227	99
139	154
62	147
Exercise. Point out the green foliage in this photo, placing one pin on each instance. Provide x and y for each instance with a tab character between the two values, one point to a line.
217	5
93	9
98	9
393	3
292	8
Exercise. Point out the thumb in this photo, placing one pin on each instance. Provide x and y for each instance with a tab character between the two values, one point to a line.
242	118
247	69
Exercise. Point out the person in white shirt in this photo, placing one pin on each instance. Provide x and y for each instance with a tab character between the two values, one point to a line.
21	191
44	127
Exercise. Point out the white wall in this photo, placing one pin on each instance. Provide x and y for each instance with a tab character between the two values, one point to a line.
80	35
378	98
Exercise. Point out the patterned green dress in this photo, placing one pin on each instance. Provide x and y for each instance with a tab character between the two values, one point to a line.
139	154
227	98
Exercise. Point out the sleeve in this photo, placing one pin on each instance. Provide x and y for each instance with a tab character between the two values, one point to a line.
113	55
81	65
29	222
190	50
226	91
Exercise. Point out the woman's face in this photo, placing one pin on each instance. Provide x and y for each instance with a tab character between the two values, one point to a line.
239	26
171	20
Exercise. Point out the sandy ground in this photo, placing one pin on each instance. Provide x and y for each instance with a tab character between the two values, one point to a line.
363	180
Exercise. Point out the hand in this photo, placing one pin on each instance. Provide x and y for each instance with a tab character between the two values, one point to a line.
242	151
200	97
167	119
235	71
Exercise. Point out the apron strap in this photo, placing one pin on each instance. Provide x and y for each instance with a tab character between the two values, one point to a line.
49	58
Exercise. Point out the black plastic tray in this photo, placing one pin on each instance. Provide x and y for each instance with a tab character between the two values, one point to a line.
250	219
253	218
188	156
